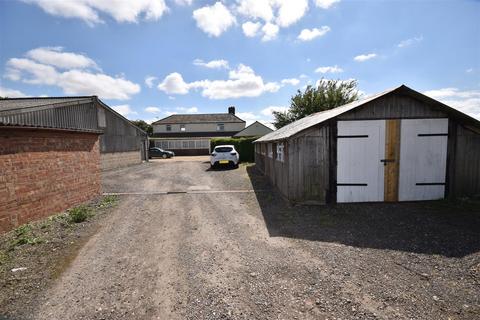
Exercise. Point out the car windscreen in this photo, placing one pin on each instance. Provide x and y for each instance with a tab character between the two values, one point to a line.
223	149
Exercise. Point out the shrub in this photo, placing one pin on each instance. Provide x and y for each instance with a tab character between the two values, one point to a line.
79	214
244	146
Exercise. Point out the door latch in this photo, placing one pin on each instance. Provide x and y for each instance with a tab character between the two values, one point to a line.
387	160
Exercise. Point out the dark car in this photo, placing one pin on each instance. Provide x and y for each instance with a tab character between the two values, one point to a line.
159	153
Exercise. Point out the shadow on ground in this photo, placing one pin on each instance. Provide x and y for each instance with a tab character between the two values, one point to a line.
447	228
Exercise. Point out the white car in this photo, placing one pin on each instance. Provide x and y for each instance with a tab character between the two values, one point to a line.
224	155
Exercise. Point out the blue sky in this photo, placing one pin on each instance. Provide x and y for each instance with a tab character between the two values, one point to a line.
152	58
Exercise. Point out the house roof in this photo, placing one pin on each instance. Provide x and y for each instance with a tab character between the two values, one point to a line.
319	117
199	118
246	130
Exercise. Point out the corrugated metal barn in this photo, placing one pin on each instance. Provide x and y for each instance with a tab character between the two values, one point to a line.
52	151
399	145
121	142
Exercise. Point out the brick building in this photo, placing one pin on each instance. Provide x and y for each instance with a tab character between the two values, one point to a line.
52	151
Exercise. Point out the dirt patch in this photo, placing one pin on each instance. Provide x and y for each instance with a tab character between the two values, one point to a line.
34	255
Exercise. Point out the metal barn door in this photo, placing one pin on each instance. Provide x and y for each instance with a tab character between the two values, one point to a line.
360	174
423	154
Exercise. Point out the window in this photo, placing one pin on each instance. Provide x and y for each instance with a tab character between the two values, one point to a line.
263	147
270	150
220	127
169	127
182	127
280	152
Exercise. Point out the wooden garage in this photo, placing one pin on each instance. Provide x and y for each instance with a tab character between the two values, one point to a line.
398	145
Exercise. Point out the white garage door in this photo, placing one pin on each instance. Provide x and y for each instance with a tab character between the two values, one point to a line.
360	174
423	159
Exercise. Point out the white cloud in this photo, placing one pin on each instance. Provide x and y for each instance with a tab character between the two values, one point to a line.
169	113
72	81
249	117
214	20
187	110
290	11
254	9
242	82
409	42
452	93
124	110
310	34
149	81
55	56
184	2
365	57
174	84
467	101
11	93
268	111
291	81
90	10
325	4
329	69
152	109
270	31
250	29
214	64
469	70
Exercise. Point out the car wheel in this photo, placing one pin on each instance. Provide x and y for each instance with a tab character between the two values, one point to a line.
164	156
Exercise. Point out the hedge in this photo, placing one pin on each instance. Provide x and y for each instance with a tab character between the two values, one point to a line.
244	146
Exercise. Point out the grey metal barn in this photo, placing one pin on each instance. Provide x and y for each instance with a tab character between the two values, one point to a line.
399	145
121	142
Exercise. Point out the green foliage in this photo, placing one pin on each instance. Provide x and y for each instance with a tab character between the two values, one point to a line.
79	214
144	126
23	235
108	201
244	146
327	95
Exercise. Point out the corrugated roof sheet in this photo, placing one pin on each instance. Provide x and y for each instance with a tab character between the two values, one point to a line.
199	118
316	118
23	103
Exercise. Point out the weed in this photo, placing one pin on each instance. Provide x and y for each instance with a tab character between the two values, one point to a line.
4	257
79	214
23	235
108	201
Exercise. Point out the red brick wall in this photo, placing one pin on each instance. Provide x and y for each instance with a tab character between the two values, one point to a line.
43	172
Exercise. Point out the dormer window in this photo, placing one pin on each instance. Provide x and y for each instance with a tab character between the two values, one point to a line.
220	127
182	128
169	127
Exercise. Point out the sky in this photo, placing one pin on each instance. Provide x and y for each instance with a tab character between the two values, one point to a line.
152	58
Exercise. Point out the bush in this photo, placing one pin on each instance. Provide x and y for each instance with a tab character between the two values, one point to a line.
79	214
244	146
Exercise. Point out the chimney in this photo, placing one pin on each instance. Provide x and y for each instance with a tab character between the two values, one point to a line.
231	110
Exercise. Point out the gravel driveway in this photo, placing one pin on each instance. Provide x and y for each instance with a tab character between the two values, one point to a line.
185	242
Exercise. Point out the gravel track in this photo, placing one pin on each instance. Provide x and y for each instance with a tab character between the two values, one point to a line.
253	256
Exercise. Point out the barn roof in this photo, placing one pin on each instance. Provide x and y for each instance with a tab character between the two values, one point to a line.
76	113
319	117
199	118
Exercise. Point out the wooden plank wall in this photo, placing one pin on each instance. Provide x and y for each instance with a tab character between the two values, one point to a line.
393	107
309	165
464	168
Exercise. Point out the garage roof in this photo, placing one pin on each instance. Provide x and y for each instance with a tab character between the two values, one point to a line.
319	117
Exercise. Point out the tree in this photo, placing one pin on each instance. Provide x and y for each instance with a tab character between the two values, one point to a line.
144	126
327	95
